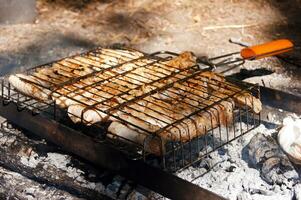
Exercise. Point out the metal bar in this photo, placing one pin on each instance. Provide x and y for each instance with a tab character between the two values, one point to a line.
223	56
106	156
280	99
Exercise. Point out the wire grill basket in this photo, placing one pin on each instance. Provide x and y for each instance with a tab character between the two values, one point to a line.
171	116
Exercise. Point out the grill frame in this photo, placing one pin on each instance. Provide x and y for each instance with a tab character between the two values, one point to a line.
241	115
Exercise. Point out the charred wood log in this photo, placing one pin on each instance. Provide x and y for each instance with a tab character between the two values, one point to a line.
16	186
44	163
266	155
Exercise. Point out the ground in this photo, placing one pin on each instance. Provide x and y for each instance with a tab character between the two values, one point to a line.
65	27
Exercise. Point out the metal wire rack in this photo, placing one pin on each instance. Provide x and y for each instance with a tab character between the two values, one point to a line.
171	116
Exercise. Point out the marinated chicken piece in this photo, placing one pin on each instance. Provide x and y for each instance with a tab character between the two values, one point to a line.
30	86
186	129
135	77
216	82
184	60
150	121
64	70
129	134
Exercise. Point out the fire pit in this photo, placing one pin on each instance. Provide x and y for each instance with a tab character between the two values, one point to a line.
239	160
39	97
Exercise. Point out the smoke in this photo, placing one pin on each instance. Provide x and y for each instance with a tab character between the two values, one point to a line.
17	11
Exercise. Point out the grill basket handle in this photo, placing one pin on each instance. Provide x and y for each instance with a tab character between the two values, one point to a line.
267	49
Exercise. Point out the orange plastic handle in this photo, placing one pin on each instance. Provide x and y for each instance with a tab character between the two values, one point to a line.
267	49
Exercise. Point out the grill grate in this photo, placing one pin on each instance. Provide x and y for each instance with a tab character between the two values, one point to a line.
146	94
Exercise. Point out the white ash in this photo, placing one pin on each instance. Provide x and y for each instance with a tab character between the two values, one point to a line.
273	117
282	82
231	176
273	80
16	186
297	191
62	162
32	161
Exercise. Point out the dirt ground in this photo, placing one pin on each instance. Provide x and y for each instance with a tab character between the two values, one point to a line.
63	27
